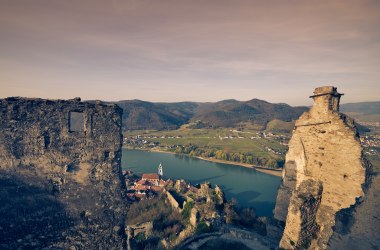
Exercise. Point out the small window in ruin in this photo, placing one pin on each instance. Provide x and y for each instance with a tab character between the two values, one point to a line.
71	167
46	141
76	122
331	104
106	155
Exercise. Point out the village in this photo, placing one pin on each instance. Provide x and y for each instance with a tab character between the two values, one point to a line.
148	186
371	141
196	208
154	142
179	192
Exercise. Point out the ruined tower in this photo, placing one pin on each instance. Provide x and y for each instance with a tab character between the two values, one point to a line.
324	173
60	175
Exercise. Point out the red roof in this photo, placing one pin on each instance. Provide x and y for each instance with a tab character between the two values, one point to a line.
141	182
150	177
161	183
141	188
156	188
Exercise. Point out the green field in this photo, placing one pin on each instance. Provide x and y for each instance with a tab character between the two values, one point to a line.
226	144
235	145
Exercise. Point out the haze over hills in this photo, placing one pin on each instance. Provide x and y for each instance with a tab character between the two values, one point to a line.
362	111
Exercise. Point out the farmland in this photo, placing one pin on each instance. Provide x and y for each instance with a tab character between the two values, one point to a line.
249	146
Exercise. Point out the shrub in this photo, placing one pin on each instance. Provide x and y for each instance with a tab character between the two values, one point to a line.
202	228
140	237
187	209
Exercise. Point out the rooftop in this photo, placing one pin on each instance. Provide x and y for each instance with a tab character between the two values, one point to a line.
150	176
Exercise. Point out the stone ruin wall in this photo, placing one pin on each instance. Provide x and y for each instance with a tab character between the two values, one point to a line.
325	173
60	174
172	201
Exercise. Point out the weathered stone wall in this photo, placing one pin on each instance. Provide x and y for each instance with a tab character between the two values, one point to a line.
194	217
358	227
324	173
60	175
173	202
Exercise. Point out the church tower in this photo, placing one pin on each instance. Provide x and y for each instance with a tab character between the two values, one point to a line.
160	170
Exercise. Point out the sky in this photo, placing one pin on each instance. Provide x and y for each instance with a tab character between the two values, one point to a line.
189	50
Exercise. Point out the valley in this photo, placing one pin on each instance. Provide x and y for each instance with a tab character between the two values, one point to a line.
247	147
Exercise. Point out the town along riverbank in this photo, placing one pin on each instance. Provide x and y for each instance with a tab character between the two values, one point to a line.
247	186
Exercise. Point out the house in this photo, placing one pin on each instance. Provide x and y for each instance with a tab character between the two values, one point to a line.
149	184
150	177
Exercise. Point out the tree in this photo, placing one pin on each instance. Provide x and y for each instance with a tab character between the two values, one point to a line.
249	159
219	154
179	150
272	163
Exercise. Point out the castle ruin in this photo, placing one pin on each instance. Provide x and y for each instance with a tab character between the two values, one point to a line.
60	175
325	175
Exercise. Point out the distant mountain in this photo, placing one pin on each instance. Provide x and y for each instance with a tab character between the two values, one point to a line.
362	111
147	115
232	113
228	113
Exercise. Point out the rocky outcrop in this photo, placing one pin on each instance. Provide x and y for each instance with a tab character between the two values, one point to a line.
325	173
60	175
219	196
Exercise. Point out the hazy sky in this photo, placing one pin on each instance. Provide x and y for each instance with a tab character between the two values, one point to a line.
189	50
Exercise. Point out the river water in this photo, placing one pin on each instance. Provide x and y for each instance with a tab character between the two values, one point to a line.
249	187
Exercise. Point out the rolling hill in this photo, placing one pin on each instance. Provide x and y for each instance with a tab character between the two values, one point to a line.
148	115
142	115
232	113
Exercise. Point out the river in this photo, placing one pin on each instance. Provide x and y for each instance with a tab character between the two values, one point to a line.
249	187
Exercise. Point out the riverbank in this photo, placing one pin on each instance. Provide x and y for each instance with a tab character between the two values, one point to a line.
275	172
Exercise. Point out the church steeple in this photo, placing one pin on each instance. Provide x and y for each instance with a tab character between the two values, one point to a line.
160	170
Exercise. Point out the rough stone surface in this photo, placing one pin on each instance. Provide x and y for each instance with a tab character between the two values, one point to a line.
325	173
304	206
194	217
285	190
358	227
60	175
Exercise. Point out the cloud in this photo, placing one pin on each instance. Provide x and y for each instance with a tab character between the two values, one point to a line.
223	47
